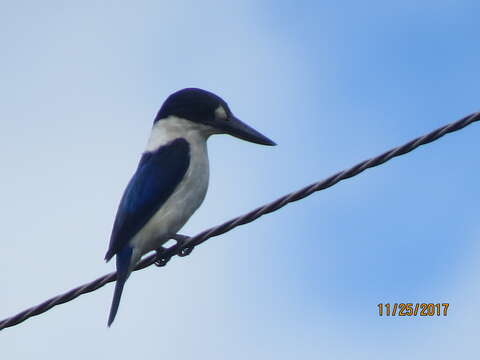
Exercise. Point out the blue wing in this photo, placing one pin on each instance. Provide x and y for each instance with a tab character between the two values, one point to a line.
157	176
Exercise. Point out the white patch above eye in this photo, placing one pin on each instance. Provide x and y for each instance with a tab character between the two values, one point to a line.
220	113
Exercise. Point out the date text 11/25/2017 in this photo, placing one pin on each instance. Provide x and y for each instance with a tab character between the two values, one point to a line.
411	309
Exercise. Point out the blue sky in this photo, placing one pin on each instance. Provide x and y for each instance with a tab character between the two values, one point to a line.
332	84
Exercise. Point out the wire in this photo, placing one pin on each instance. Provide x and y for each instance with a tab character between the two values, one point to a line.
184	248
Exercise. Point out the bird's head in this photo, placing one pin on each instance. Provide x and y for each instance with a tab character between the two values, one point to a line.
205	108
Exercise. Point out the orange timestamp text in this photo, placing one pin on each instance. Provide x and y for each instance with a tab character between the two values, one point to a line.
411	309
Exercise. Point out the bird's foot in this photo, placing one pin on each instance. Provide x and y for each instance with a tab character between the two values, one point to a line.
181	241
160	259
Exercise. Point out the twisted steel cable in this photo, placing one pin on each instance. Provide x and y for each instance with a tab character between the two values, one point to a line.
183	249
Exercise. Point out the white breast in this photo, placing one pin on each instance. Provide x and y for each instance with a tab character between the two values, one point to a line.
188	195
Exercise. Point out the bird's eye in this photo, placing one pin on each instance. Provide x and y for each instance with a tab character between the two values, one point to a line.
220	113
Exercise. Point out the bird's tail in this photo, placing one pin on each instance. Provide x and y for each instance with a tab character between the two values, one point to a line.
124	257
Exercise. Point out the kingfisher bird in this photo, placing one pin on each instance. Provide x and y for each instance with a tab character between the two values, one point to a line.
171	179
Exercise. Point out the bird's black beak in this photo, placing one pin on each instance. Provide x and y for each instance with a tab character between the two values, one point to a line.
239	129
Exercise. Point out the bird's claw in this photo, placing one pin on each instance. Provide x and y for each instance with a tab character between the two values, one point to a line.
185	251
181	241
160	259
